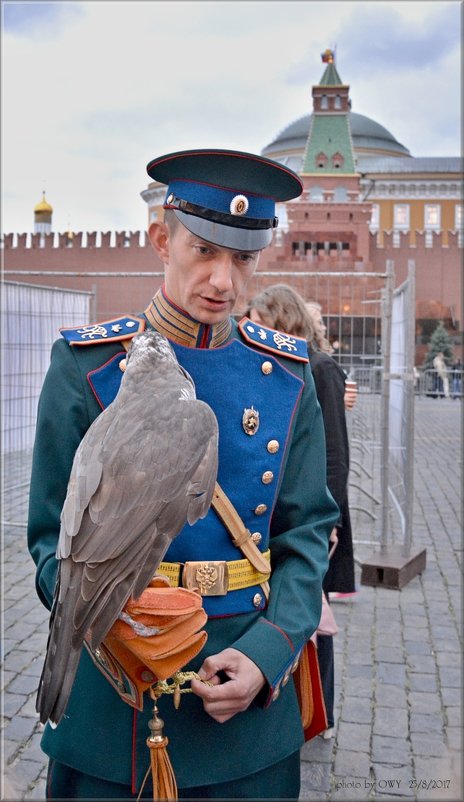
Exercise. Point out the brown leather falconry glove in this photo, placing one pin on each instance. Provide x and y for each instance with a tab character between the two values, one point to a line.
153	637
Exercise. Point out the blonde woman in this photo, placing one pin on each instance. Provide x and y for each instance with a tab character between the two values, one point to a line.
321	343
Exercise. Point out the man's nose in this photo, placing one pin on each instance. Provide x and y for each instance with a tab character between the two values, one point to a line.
221	274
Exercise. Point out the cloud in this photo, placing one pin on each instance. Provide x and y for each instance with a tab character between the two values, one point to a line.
402	62
384	38
38	20
376	38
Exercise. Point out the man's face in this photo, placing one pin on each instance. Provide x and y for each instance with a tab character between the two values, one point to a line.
204	279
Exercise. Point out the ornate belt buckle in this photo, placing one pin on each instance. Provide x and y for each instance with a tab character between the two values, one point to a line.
211	578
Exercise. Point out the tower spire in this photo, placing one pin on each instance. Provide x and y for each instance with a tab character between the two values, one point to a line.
329	148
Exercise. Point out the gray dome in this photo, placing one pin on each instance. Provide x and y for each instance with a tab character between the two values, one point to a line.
367	136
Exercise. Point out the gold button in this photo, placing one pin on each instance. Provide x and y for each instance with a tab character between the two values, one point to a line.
295	663
273	446
256	537
257	599
266	367
267	477
260	509
122	365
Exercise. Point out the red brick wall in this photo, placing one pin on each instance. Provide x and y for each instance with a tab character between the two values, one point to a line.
438	269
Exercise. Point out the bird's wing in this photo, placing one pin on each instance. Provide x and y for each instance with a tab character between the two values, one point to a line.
83	483
157	471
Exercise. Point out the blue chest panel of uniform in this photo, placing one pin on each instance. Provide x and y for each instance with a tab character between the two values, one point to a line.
231	380
105	381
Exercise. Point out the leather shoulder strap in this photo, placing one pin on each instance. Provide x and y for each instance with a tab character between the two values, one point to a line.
241	536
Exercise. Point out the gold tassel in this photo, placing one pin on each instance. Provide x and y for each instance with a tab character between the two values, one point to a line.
164	781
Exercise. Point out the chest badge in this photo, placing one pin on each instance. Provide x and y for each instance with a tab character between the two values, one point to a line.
250	421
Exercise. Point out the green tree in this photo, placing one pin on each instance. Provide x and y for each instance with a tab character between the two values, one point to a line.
439	341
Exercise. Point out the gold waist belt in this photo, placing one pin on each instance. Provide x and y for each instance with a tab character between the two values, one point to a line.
214	577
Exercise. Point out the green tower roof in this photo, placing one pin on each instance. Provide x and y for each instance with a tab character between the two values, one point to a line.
329	148
331	76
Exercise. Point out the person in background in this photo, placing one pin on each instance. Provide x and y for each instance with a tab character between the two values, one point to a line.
322	344
456	372
439	365
281	307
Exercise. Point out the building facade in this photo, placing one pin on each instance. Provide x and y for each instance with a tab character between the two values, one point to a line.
366	201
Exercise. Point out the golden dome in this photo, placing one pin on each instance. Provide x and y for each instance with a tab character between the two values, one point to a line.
43	206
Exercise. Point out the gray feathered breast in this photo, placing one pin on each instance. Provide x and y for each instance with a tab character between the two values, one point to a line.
145	467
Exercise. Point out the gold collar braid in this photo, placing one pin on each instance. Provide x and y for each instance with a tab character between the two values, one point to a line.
177	325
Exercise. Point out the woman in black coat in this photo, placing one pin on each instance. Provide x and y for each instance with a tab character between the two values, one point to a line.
329	378
280	307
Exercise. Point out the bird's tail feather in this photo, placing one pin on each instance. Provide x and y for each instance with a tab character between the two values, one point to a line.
58	675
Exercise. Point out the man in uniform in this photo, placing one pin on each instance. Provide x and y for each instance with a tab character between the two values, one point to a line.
240	736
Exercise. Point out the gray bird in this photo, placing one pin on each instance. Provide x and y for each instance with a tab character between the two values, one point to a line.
145	467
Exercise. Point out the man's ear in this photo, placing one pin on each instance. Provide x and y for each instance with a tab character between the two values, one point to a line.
158	234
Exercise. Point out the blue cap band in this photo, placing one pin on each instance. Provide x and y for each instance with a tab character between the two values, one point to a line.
219	199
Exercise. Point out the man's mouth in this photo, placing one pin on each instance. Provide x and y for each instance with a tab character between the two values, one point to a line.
217	301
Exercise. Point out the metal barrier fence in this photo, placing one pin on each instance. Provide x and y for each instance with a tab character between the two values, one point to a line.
351	307
398	452
429	383
31	317
364	427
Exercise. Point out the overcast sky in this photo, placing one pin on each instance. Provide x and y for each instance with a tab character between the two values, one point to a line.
91	91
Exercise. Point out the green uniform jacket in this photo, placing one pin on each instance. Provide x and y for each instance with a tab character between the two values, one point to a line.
100	734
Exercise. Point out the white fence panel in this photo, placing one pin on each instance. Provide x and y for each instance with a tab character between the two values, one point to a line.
31	318
401	406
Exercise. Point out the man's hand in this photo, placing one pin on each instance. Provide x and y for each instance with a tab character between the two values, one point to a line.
224	699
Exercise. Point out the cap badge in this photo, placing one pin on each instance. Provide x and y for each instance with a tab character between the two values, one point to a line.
250	421
239	205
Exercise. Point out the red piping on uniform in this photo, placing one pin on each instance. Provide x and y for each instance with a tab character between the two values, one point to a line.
89	375
265	621
176	306
205	336
134	753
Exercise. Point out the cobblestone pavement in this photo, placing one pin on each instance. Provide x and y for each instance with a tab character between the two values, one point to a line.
397	654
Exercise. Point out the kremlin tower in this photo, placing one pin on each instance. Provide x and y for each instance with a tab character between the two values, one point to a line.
43	216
